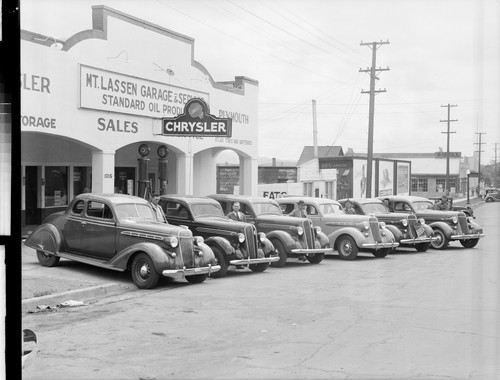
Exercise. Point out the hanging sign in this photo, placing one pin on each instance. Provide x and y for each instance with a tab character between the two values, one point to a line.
196	121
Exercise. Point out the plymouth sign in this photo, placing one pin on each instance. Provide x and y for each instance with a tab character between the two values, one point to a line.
196	121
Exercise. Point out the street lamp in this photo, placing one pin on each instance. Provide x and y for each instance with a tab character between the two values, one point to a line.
468	175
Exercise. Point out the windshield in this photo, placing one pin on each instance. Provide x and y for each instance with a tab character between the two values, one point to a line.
422	205
206	209
327	209
373	207
134	211
266	208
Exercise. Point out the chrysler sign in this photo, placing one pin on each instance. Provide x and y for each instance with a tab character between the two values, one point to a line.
196	121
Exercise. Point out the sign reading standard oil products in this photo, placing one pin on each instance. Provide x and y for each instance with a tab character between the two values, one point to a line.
196	121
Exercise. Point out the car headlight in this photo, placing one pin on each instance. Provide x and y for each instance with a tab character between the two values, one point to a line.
198	241
421	221
174	242
261	236
454	220
366	225
381	224
404	222
317	229
470	219
300	230
241	237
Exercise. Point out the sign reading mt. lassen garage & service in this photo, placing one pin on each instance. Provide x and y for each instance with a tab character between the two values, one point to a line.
197	121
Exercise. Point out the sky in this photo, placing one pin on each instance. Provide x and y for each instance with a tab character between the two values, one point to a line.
437	52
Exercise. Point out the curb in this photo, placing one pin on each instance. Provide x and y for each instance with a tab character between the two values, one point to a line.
85	294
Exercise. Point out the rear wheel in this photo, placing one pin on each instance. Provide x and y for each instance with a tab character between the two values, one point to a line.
422	247
197	278
315	259
381	252
470	243
347	248
280	250
258	267
47	260
442	241
143	271
221	260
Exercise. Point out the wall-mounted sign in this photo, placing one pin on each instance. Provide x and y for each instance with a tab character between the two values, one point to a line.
196	121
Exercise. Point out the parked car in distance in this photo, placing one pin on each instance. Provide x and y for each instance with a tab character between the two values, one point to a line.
120	232
291	237
233	243
408	231
447	225
347	234
492	197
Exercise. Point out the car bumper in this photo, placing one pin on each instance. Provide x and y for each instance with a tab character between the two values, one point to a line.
302	251
466	236
254	261
378	245
418	240
183	272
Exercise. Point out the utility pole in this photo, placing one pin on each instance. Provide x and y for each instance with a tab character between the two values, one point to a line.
495	174
447	181
479	164
373	71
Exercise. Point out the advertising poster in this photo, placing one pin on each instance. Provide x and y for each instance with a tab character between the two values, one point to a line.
359	178
385	178
403	179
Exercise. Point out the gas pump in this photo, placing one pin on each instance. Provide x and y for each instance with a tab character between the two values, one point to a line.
162	168
143	170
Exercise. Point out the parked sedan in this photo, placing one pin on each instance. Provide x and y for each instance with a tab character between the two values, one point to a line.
447	225
408	231
120	232
492	197
234	243
291	237
348	234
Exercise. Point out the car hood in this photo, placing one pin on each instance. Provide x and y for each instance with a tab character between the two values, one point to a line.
392	217
220	222
346	218
156	227
279	219
427	214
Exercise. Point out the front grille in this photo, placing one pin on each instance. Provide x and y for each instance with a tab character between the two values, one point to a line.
187	251
375	230
308	233
251	239
462	222
414	226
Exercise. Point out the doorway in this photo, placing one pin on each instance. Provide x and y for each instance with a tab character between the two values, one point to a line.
32	212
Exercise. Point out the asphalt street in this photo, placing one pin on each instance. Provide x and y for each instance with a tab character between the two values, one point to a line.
432	315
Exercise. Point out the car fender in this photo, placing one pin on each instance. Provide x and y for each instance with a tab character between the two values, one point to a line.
267	247
160	258
447	230
428	229
398	235
47	238
221	243
208	254
322	239
284	237
475	226
357	235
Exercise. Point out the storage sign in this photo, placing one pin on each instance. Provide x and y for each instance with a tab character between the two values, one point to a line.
197	121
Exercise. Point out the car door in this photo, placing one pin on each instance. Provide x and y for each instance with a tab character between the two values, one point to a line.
72	229
98	231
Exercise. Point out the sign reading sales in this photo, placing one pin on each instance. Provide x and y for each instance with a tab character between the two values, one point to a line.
197	121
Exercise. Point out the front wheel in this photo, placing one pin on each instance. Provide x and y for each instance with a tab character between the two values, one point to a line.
488	200
197	278
442	241
258	267
422	247
144	273
381	252
280	250
470	243
315	259
221	260
47	260
347	248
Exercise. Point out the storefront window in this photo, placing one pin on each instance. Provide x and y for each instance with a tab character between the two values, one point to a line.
82	180
56	186
440	185
419	184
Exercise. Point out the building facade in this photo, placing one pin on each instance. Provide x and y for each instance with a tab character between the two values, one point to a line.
89	103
